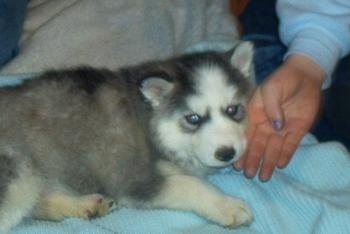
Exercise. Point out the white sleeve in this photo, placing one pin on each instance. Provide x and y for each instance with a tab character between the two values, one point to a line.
319	29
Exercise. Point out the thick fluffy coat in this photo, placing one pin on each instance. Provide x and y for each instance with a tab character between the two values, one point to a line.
79	142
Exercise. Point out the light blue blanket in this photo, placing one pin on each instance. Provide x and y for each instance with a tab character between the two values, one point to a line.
312	195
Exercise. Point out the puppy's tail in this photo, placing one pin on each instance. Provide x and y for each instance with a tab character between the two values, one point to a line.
19	191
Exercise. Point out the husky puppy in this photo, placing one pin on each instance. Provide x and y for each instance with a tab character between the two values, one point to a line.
77	143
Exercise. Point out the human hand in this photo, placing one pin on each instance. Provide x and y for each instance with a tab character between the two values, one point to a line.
281	111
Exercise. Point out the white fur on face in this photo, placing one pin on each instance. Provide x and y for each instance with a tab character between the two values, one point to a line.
212	97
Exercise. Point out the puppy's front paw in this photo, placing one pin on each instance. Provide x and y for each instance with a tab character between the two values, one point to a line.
232	212
94	205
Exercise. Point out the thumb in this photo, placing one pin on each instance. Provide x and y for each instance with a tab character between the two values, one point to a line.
272	105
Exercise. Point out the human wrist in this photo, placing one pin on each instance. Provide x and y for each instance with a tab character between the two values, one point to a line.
306	67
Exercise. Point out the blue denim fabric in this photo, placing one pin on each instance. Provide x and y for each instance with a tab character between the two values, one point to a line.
12	14
268	54
269	50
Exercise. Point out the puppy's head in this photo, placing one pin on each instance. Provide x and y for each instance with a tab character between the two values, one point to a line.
199	106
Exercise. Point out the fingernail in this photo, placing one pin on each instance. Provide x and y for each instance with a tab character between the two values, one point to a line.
277	124
237	168
264	178
281	165
249	174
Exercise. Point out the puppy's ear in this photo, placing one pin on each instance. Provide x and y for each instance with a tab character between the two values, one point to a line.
155	89
242	59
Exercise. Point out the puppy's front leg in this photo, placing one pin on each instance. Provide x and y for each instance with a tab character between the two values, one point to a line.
57	206
192	194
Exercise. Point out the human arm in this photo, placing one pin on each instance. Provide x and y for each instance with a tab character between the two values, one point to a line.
319	29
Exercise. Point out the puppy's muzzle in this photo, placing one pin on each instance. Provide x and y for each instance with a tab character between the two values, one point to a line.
225	154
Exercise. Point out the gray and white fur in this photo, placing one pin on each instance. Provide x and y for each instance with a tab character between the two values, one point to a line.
77	143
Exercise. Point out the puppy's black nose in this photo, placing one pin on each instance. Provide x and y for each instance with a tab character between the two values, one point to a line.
225	154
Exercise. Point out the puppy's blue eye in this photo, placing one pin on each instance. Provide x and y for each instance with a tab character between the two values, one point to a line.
235	112
193	119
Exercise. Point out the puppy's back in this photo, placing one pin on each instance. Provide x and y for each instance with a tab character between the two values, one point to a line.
80	126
